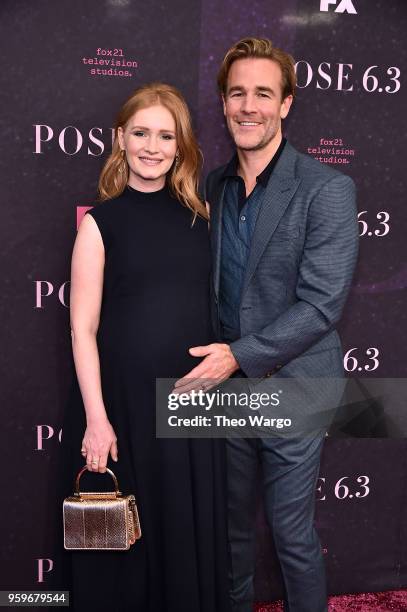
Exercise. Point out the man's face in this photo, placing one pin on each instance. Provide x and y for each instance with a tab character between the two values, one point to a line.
252	105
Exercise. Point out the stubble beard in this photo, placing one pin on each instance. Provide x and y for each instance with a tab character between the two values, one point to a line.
262	144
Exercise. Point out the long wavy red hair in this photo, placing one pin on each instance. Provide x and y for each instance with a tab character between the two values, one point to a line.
183	177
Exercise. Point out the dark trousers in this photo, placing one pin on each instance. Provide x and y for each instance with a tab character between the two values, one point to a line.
290	470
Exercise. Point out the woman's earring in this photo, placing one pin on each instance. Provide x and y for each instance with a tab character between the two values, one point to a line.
123	163
177	160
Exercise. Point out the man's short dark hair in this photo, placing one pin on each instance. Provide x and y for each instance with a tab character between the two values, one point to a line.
261	48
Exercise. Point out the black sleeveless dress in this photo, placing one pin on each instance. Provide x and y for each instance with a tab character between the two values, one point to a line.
155	306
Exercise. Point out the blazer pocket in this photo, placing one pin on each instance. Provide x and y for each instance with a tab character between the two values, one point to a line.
286	232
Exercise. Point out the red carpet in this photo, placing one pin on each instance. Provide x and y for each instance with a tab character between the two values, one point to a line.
364	602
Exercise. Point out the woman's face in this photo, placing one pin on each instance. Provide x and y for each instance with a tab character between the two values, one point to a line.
150	144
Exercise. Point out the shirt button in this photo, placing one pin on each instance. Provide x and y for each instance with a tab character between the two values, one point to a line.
242	218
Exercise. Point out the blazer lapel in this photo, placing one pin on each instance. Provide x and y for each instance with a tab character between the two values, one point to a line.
279	193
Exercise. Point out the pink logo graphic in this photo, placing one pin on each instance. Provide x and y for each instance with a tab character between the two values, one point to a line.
110	62
44	566
80	212
332	151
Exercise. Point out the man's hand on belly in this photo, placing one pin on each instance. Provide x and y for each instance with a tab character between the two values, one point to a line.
218	365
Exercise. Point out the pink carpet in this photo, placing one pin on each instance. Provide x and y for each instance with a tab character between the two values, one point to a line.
364	602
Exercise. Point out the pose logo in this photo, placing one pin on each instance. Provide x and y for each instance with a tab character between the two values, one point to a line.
70	139
342	6
45	289
45	433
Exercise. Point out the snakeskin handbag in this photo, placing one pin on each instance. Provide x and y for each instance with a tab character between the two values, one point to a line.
100	520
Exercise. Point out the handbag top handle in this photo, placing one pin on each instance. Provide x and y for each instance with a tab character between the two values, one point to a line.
84	469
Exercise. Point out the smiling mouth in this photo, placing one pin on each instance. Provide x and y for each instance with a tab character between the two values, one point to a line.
150	161
248	123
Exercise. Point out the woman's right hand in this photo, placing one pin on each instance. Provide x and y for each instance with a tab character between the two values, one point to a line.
99	439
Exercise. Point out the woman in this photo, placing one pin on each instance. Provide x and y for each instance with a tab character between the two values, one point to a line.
139	300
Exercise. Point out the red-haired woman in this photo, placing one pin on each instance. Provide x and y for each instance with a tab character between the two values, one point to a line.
139	300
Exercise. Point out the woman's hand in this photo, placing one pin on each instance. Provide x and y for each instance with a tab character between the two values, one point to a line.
99	439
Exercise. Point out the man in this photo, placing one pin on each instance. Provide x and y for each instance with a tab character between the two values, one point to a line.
284	237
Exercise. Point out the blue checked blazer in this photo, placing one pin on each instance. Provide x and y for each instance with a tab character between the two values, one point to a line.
299	271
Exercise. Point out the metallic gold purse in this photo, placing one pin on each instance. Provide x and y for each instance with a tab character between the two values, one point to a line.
100	520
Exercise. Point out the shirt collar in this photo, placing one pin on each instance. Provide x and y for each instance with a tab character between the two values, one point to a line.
231	169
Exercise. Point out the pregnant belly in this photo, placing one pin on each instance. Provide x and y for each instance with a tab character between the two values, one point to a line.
153	336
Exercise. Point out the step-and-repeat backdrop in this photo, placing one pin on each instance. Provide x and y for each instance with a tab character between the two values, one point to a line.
66	68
